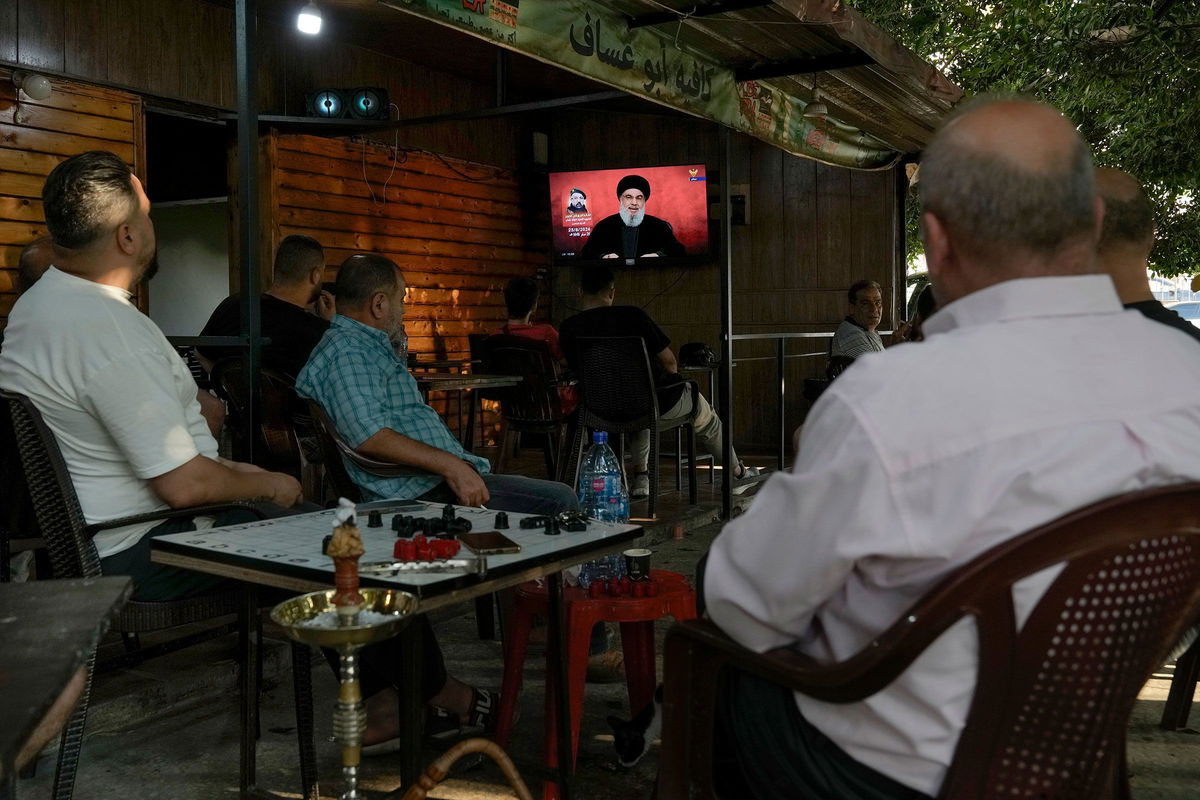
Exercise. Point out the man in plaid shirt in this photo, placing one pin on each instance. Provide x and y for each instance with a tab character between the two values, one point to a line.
374	402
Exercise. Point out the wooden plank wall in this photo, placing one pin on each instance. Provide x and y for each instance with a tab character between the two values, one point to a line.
458	230
183	49
813	231
37	136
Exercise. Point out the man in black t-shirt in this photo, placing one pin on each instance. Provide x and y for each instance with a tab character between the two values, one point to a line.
293	330
599	317
1126	239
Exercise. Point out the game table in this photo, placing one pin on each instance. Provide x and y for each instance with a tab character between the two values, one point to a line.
285	553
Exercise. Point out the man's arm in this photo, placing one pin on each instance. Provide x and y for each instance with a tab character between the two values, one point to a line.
388	445
798	544
203	480
666	358
213	411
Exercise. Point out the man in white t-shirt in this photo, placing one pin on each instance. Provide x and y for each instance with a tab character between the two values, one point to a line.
117	397
1034	393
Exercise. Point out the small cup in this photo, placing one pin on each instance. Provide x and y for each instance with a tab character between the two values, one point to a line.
637	564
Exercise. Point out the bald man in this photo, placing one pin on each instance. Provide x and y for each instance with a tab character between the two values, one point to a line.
1011	413
1126	239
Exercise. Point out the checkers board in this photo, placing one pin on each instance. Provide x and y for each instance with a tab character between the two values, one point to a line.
291	546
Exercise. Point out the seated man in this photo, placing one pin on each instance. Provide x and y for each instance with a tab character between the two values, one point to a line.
1126	239
521	300
856	335
373	400
286	320
1033	394
599	317
116	395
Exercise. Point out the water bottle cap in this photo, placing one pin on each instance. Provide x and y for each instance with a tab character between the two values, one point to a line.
600	437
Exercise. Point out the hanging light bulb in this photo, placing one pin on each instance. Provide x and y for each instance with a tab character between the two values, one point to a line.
309	20
815	108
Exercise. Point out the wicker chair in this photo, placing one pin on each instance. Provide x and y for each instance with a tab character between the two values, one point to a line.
276	444
532	406
1052	699
619	397
73	555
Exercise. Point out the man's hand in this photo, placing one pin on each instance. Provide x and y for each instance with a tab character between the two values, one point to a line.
284	490
466	484
325	306
900	333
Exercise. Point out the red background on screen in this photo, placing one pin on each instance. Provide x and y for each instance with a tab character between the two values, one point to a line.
673	197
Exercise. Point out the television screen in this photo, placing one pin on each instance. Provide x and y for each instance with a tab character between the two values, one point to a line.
650	212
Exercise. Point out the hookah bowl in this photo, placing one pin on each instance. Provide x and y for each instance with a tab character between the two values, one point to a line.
349	715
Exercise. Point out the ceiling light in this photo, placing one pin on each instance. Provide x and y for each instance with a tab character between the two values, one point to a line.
816	109
309	20
35	87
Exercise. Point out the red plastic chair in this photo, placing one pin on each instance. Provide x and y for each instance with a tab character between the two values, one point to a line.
674	598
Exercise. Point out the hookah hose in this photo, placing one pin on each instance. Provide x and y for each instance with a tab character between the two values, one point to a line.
436	772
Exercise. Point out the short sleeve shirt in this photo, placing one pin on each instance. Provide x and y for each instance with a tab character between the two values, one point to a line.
118	398
356	377
624	321
293	332
852	340
538	331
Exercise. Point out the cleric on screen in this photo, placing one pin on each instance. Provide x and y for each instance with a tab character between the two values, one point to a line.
631	232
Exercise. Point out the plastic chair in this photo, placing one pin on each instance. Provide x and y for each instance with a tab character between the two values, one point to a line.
533	406
73	555
1052	699
619	397
675	598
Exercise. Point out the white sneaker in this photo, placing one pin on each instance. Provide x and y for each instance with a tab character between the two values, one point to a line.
641	486
749	477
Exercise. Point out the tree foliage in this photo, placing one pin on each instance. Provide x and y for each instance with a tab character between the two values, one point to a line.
1127	73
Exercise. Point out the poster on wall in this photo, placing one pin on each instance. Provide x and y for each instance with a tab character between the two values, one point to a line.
647	212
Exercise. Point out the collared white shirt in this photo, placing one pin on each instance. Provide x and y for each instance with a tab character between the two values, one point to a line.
1027	399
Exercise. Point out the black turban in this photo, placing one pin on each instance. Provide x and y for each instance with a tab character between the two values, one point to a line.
634	182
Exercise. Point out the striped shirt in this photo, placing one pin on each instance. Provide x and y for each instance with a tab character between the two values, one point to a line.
853	340
355	375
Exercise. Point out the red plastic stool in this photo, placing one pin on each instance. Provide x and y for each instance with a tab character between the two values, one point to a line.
674	598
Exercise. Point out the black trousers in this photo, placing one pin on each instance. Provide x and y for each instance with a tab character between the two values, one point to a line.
378	663
767	750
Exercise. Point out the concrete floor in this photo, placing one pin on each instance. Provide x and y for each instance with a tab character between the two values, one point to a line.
168	730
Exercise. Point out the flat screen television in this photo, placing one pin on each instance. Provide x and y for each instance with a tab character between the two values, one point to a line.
591	213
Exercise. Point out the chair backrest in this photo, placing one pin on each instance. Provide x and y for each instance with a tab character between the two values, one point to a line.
72	552
276	444
617	384
534	401
1053	697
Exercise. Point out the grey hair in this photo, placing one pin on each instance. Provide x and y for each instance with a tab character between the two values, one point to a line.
999	204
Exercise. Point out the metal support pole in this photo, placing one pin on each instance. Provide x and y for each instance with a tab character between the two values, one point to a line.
502	65
728	466
246	35
780	362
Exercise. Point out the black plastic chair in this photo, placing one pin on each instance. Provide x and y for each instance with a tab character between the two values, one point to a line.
73	555
532	406
276	443
619	397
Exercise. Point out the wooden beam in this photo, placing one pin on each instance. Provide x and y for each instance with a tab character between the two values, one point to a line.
706	10
802	66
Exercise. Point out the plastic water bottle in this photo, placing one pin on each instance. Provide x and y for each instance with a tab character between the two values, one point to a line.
602	497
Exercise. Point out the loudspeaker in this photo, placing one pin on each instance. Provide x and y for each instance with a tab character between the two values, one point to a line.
369	102
327	103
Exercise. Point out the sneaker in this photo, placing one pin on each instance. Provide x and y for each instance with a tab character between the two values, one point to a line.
606	667
749	477
641	486
443	726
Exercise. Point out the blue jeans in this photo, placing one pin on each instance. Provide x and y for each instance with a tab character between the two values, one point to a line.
516	493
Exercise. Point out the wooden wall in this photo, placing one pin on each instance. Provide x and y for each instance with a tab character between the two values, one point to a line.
458	230
35	137
813	231
183	50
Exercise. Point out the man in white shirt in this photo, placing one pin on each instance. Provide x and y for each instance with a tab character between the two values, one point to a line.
117	397
1033	394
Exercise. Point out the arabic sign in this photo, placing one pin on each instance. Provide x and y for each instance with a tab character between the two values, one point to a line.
587	38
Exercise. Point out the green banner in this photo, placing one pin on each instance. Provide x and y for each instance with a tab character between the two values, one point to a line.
591	40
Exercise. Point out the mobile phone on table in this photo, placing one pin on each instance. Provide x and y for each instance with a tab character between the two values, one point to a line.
487	543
